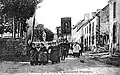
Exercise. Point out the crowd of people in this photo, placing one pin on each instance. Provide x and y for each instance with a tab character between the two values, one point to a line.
55	52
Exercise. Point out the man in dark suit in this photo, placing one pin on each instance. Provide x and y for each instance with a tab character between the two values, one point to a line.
33	55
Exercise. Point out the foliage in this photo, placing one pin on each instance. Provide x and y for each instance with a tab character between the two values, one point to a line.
8	29
50	35
1	29
38	32
20	10
40	27
23	9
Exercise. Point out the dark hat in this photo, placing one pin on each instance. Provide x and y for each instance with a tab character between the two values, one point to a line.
42	44
38	45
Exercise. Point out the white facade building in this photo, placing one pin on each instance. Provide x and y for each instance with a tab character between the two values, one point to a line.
85	31
75	33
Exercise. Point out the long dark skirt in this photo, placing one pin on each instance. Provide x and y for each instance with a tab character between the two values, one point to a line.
34	58
43	58
54	56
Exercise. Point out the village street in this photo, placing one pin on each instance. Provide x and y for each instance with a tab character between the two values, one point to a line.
71	65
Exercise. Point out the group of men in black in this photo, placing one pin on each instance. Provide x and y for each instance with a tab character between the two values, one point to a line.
40	54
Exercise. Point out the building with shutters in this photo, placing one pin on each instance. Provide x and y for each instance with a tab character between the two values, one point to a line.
75	33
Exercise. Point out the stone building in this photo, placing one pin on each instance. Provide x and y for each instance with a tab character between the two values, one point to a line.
75	33
104	25
94	30
114	24
102	29
86	31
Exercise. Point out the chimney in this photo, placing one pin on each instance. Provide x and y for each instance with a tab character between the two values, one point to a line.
93	14
86	16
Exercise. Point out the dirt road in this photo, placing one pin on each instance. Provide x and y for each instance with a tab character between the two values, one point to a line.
71	65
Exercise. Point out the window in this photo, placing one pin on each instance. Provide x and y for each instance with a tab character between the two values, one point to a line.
90	28
89	40
114	33
92	39
85	42
93	27
87	29
114	10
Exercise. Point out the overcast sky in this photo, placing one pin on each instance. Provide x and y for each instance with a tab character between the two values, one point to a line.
51	11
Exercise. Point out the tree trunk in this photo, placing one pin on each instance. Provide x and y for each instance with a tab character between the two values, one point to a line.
20	30
13	28
17	29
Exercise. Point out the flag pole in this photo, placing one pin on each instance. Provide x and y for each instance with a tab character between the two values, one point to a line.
32	37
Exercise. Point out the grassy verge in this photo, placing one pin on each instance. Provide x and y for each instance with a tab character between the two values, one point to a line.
114	61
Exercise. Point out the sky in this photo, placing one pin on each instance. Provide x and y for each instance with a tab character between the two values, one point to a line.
51	11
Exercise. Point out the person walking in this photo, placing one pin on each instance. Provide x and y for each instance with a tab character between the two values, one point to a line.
38	50
67	48
114	49
76	50
43	58
81	50
54	55
33	55
71	50
50	48
63	50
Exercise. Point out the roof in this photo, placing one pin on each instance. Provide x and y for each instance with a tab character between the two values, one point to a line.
78	23
107	6
88	21
82	24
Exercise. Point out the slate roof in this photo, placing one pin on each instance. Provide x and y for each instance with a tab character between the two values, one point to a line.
87	21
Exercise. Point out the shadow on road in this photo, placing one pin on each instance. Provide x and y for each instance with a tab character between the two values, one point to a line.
18	58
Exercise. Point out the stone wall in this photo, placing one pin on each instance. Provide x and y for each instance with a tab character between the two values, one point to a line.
116	22
12	46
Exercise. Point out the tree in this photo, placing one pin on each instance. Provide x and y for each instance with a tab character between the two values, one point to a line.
38	35
50	35
38	32
1	30
23	9
8	29
40	27
19	10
